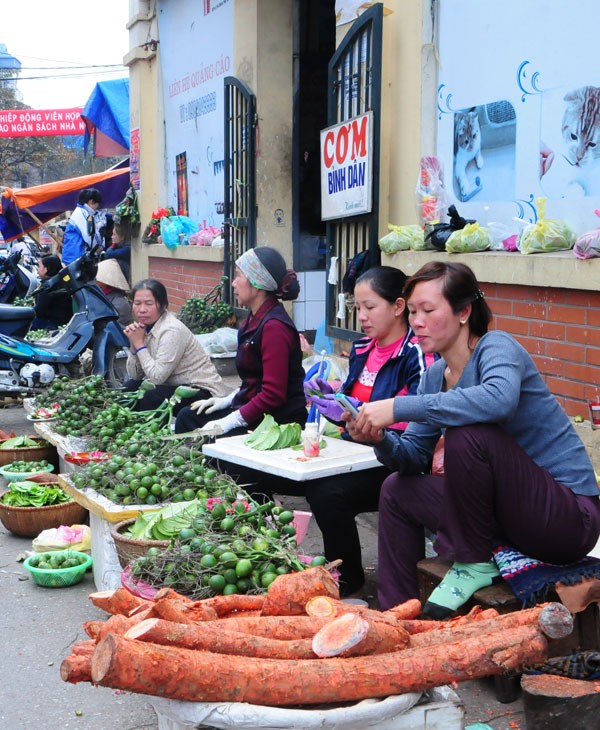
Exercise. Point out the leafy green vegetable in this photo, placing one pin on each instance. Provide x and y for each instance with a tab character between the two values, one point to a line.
18	442
164	524
31	494
270	435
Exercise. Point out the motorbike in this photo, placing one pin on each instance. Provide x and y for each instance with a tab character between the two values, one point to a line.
27	367
16	278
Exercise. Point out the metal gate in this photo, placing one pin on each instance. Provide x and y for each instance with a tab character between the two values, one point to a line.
239	225
354	80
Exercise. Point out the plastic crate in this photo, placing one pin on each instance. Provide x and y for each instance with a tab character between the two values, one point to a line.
61	577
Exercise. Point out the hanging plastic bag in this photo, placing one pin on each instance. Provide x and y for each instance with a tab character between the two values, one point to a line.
401	238
469	239
438	234
546	234
587	246
431	196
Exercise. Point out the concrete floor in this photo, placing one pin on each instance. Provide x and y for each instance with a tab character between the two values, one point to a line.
39	625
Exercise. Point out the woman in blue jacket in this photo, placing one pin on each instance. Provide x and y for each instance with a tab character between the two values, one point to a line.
385	363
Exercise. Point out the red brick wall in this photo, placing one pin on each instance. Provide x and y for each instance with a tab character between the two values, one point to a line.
560	328
184	279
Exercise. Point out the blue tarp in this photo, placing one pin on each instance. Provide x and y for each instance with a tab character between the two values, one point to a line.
106	114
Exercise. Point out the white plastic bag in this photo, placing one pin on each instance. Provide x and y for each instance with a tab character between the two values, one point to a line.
75	537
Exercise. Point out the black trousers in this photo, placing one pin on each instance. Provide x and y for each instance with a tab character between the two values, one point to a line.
160	393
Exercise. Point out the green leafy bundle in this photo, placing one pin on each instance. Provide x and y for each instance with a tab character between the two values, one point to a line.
31	494
270	435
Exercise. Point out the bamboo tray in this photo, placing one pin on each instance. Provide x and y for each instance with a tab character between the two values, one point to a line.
100	505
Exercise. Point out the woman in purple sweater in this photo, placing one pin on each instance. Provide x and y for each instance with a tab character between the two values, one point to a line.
268	359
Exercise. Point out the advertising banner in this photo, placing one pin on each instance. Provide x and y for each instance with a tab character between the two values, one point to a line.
346	168
41	122
199	39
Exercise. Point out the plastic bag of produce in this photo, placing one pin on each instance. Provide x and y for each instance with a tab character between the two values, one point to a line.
546	234
75	537
401	238
438	234
469	239
587	246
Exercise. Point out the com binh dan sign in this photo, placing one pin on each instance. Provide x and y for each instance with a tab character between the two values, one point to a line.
347	168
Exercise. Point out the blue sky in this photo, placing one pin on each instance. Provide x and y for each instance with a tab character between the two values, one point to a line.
64	33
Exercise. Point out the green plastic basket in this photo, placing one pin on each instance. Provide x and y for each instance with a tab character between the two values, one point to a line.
21	476
61	577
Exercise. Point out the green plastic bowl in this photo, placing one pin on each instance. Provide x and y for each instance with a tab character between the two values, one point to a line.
21	476
60	577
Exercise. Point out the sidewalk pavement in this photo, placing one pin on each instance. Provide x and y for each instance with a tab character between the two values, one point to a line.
39	625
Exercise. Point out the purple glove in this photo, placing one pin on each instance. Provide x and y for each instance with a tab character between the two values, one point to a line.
329	407
318	387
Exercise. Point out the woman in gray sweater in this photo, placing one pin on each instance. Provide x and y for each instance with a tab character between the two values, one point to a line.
515	470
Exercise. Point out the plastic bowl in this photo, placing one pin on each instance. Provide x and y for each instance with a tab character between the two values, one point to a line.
21	476
61	577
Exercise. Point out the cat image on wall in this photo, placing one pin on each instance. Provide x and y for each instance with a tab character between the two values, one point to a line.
467	149
575	170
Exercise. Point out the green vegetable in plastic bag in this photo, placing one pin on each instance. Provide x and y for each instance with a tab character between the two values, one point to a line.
469	239
401	238
546	234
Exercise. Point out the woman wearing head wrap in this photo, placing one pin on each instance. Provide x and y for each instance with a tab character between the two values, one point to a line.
268	359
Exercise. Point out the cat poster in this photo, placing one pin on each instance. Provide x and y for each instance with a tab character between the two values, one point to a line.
484	152
526	125
570	142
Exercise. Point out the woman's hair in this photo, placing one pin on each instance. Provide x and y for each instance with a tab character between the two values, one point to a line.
459	288
123	230
387	282
288	286
90	194
158	290
52	264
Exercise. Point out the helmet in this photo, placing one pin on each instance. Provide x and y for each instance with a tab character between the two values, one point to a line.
34	374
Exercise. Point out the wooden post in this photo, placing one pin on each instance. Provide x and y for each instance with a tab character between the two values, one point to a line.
42	225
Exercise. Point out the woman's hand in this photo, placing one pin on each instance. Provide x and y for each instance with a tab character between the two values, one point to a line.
375	415
136	334
360	435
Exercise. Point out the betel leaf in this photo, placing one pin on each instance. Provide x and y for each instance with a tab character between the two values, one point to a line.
19	442
31	494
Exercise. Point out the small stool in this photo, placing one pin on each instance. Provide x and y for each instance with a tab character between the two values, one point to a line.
586	629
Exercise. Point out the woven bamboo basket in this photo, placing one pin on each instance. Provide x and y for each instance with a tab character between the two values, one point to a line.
130	548
36	453
30	521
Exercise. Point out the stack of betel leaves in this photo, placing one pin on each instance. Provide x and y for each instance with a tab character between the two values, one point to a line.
271	435
31	494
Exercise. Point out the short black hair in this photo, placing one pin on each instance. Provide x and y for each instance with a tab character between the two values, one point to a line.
51	263
90	194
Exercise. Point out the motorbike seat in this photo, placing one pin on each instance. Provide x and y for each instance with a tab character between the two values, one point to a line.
10	313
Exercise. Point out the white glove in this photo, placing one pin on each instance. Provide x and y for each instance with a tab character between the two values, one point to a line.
227	423
210	405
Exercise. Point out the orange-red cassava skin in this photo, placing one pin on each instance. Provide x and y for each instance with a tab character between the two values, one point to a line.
289	593
199	676
118	601
215	637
